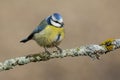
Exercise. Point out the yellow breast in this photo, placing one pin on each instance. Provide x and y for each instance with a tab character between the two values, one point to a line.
49	36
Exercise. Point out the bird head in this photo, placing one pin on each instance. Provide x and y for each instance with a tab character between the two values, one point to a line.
56	20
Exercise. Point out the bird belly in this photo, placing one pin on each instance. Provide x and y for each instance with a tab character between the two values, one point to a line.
49	37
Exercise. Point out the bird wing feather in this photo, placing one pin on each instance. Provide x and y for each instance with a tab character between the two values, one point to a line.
38	29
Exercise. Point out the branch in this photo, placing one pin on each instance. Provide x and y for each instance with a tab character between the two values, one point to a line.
94	51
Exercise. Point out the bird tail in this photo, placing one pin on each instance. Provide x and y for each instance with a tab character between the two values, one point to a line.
24	40
27	39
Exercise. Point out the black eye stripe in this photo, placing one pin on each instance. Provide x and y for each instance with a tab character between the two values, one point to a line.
55	21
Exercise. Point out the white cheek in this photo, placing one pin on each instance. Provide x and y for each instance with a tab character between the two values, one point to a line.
55	24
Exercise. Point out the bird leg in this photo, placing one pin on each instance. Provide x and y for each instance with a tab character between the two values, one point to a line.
47	51
59	49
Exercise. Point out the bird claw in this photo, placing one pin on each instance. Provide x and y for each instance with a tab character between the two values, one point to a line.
47	52
60	50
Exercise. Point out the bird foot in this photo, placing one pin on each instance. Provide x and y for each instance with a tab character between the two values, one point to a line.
47	52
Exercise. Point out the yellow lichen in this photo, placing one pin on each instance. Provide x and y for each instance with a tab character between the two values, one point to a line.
108	44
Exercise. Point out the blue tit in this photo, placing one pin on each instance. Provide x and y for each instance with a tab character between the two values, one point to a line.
49	33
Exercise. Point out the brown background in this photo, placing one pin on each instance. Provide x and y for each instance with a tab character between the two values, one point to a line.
86	22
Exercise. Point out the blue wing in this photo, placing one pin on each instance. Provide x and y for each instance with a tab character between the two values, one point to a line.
38	29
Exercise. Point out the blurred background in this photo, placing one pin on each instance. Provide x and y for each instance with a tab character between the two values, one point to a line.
86	22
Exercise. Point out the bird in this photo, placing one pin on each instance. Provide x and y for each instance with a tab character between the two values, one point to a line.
49	33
